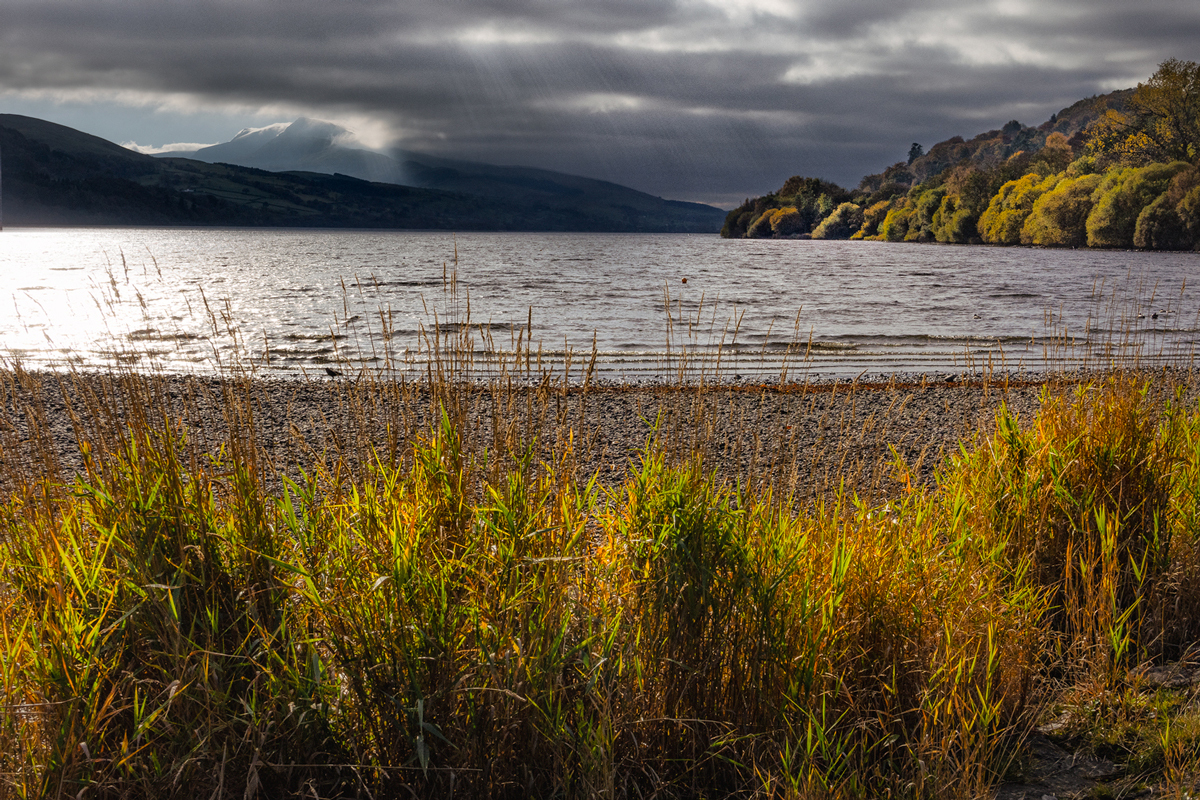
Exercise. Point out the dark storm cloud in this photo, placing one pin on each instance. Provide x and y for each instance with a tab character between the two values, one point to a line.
685	98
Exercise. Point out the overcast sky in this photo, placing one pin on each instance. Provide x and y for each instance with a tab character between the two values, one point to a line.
688	99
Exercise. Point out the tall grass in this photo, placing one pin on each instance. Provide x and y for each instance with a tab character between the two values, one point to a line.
486	620
456	590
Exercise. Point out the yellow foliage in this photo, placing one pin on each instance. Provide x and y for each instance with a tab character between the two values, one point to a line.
895	225
1058	217
1161	125
1001	223
787	221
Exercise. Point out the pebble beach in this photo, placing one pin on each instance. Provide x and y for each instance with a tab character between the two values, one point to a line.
809	436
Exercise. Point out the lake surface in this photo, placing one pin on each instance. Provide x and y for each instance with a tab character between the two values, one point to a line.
292	302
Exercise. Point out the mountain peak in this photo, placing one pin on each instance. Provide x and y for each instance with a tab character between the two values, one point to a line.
264	133
307	128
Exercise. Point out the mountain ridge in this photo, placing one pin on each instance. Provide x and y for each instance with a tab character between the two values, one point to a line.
316	146
990	148
56	175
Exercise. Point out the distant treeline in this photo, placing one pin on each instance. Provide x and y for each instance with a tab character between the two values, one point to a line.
1115	171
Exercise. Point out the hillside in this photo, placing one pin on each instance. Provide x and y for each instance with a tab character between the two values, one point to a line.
991	149
1115	171
305	145
1000	155
55	175
316	146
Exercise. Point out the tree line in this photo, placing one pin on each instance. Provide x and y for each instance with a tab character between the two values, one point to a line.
1118	171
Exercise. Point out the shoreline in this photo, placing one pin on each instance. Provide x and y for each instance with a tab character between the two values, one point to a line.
811	436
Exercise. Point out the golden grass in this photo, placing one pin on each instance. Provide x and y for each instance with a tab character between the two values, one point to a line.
486	620
457	590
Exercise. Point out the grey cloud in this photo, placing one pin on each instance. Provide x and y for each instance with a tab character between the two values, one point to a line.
677	97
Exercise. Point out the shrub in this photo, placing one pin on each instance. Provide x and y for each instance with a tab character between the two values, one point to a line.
845	220
1120	198
1059	217
1008	210
895	225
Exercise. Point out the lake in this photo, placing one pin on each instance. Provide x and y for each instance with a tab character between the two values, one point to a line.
291	302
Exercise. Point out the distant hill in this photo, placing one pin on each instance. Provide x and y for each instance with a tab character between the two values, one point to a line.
975	169
1114	171
55	175
316	146
991	148
306	145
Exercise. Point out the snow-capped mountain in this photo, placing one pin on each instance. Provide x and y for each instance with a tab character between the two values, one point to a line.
306	145
309	145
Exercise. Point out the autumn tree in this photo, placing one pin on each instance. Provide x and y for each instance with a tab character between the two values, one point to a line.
1120	199
1059	216
1005	216
788	221
842	223
1162	123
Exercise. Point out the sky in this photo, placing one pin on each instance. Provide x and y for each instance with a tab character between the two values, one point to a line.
685	99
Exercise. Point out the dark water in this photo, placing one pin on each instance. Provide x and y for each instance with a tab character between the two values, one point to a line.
293	301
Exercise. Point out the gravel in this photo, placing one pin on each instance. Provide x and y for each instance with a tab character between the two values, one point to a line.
804	437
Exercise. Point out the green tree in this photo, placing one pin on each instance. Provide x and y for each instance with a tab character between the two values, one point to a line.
761	227
1120	198
894	227
873	217
806	190
926	204
1160	228
1008	210
1161	225
1059	217
954	221
737	222
824	206
842	223
968	190
1188	209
